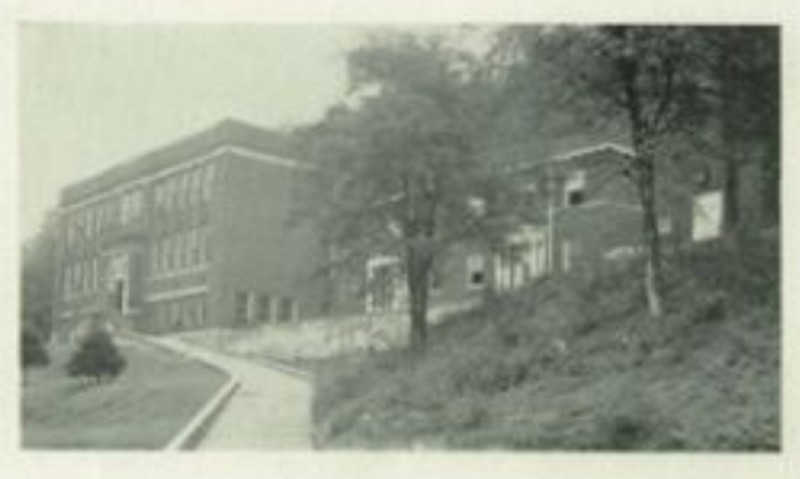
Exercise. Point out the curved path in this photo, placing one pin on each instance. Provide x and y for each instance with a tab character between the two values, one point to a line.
270	410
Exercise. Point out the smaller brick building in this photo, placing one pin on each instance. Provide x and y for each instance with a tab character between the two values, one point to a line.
581	209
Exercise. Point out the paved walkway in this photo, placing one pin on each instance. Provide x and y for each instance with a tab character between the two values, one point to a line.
270	410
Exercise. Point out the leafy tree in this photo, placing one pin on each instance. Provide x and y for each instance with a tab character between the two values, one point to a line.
743	69
405	159
641	78
97	357
38	279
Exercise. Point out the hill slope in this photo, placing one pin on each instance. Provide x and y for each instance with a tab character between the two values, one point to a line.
575	363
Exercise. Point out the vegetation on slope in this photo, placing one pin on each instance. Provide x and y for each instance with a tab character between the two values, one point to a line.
576	363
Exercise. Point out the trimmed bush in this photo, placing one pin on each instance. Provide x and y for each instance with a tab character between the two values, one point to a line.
97	357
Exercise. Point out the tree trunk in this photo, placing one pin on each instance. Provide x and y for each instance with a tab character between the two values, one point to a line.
653	273
731	209
653	281
643	168
731	132
771	179
417	275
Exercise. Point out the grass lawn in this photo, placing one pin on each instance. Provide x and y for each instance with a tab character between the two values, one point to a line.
144	408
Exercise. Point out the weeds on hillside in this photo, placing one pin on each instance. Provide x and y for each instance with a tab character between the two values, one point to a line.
575	363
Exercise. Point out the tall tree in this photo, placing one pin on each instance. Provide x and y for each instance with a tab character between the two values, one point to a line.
744	72
642	77
38	279
404	158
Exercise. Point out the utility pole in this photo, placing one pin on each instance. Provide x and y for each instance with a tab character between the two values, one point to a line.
550	181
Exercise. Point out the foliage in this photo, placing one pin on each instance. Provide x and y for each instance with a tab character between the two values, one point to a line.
97	357
34	353
38	279
569	364
641	78
405	159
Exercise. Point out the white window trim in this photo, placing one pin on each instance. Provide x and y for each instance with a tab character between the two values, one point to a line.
475	258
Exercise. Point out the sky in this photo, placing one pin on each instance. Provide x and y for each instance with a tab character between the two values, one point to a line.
92	96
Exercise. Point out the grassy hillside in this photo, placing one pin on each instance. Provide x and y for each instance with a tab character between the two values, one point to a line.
575	363
150	402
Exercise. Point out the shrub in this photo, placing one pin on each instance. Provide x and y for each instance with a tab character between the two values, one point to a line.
97	357
33	351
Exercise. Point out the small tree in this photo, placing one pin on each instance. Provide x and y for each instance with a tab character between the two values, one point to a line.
97	357
33	352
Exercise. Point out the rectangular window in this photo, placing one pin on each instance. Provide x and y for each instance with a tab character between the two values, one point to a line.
154	257
191	247
90	222
204	244
477	205
65	278
168	193
197	185
264	308
174	313
286	309
240	307
95	274
203	311
664	225
78	278
179	249
576	197
169	253
100	217
476	271
575	188
157	196
108	214
125	210
707	216
87	276
136	204
184	236
208	181
179	190
539	255
71	280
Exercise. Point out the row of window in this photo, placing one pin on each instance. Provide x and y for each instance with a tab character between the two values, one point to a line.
180	313
132	206
90	221
180	251
82	277
185	189
250	308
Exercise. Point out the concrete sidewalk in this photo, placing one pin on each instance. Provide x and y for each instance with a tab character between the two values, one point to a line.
270	410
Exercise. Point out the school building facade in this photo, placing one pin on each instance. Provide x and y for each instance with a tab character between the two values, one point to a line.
196	234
